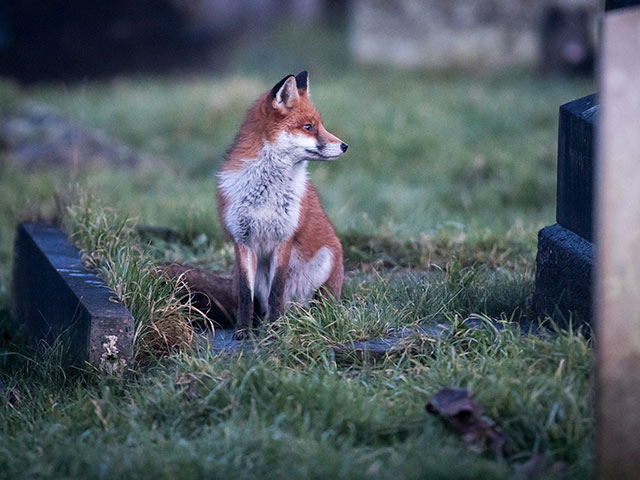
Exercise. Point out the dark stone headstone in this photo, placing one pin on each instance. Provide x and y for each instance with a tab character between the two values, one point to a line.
567	46
565	259
576	134
58	299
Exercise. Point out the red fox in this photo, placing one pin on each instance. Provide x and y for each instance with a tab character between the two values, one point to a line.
286	248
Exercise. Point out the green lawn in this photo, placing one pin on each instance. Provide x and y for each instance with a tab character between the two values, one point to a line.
446	175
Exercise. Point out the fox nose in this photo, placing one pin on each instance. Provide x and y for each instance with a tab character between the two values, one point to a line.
344	147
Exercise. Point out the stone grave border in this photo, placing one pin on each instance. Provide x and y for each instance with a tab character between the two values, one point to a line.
58	300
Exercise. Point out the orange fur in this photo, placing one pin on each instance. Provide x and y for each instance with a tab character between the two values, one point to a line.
265	121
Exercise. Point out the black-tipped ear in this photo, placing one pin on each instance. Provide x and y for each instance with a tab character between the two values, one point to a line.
302	80
279	85
285	98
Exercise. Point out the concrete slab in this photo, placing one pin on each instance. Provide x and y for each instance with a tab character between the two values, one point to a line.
222	342
57	298
371	350
377	349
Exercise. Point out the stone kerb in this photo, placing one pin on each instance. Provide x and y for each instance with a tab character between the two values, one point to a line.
58	299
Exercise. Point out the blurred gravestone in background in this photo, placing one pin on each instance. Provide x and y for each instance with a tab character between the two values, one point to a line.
614	4
66	39
567	46
475	34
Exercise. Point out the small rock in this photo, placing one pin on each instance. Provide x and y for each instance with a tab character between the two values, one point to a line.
40	137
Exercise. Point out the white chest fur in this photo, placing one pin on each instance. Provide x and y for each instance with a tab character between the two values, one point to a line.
264	200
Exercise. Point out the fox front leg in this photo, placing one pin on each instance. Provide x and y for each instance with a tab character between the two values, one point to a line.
278	279
246	262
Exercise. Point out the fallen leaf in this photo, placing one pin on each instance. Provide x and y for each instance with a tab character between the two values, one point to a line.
457	408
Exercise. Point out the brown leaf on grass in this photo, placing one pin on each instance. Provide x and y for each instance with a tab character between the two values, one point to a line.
457	408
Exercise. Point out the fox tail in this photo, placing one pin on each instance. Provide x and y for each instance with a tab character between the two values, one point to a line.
211	293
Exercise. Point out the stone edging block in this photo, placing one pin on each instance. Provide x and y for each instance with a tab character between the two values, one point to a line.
56	297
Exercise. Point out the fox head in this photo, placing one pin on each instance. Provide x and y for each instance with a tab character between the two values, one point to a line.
298	127
286	119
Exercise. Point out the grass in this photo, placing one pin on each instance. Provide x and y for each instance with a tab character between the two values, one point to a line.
163	313
437	203
269	416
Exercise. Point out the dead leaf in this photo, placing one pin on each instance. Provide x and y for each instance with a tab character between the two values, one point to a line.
456	407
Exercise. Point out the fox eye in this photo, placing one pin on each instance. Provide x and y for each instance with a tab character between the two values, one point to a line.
308	127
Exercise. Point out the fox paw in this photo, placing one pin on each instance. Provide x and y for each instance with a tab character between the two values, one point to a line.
241	334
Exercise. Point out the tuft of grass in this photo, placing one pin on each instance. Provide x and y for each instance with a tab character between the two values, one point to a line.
161	310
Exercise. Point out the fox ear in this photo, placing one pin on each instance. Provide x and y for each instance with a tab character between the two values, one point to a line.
284	94
302	80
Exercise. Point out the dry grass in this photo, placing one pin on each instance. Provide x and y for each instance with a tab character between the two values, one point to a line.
162	309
